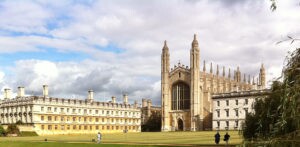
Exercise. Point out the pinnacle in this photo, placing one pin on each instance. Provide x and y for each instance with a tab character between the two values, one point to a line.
165	45
195	42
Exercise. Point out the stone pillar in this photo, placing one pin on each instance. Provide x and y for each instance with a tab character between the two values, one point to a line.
165	91
45	91
113	99
21	91
7	93
125	99
91	96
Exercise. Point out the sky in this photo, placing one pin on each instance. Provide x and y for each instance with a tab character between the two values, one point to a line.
114	46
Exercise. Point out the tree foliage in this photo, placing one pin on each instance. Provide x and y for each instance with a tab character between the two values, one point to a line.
12	129
153	124
2	131
278	114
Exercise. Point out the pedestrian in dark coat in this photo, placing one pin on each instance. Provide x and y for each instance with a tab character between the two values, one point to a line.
217	138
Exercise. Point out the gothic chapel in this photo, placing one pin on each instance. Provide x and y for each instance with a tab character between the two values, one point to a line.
186	91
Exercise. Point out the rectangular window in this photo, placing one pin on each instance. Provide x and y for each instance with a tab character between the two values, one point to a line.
55	109
102	119
236	123
236	102
90	111
74	118
85	111
79	110
97	119
62	118
227	102
74	110
61	109
55	127
85	119
67	110
97	127
68	127
49	127
49	118
246	111
91	128
236	112
62	127
227	123
42	118
218	103
85	127
96	111
43	127
107	112
79	127
90	119
218	124
55	118
74	127
246	101
227	113
49	108
42	109
218	113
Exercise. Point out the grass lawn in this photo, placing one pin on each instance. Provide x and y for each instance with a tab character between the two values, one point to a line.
145	138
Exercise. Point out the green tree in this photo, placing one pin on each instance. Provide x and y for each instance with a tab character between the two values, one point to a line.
278	114
2	131
153	124
12	129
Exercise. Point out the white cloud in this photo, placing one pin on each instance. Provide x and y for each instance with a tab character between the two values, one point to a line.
230	33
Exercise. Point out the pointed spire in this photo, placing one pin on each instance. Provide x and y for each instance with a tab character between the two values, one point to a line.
229	76
195	41
217	69
245	78
165	46
204	68
253	82
211	69
262	66
223	71
249	79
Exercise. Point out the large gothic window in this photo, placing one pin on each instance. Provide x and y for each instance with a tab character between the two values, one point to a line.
180	96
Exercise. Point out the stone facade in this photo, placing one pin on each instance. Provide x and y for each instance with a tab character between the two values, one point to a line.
230	109
186	91
50	115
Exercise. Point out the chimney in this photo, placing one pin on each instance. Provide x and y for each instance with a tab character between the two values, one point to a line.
144	103
7	93
91	96
135	104
125	99
113	99
21	91
45	90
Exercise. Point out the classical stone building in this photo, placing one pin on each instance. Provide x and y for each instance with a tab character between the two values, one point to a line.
230	109
186	92
50	115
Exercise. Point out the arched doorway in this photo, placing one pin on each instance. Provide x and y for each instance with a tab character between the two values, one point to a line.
180	125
